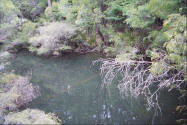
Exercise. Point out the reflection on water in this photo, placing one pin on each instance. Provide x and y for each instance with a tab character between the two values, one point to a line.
71	88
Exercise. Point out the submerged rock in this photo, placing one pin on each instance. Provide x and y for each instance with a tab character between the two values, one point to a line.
31	116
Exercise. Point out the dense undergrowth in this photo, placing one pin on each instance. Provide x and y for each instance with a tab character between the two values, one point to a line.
133	32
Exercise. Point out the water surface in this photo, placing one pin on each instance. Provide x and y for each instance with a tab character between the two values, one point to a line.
70	87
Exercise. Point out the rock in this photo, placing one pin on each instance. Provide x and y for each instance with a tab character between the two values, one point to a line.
16	46
36	12
31	8
31	116
16	91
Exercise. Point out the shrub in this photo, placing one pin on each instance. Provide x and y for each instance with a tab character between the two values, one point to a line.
8	12
16	91
163	8
24	32
140	17
48	13
174	34
53	37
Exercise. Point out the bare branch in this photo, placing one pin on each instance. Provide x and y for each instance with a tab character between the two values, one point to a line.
135	79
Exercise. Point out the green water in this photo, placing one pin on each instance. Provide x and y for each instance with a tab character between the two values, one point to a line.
70	87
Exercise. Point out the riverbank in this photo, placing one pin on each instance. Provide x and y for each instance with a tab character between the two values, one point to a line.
50	39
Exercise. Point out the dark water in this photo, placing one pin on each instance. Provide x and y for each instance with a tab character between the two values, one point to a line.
70	87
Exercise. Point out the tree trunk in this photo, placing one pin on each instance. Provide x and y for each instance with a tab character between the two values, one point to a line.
49	3
99	35
102	9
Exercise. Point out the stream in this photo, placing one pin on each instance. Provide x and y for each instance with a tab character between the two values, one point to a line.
70	87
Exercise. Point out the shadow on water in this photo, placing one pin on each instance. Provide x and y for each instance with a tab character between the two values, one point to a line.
71	88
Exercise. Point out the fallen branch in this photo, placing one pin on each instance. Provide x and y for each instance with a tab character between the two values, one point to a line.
135	79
